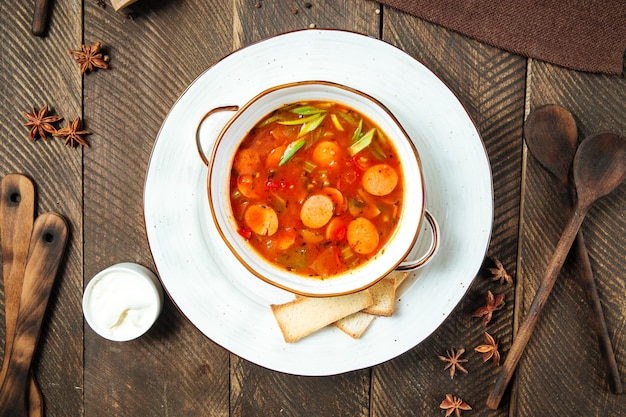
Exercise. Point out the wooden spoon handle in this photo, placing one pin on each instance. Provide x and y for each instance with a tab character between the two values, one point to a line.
17	215
46	249
588	285
543	292
40	17
35	397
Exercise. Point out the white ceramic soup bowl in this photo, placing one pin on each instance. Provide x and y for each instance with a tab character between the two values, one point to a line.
390	257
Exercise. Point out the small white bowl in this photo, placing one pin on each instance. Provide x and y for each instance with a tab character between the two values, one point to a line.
123	301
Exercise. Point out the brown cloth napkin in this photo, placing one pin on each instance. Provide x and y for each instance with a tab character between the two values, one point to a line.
584	35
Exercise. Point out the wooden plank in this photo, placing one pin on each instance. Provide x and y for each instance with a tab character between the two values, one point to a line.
37	71
562	354
257	20
490	84
173	369
256	391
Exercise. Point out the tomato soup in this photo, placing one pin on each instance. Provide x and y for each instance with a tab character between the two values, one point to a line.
316	188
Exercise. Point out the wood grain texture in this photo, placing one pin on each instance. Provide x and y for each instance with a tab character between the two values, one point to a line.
490	84
37	71
257	20
256	391
563	345
178	369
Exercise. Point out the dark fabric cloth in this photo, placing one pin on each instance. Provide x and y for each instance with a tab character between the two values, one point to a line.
584	35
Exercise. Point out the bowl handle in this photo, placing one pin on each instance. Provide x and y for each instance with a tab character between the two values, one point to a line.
211	112
414	264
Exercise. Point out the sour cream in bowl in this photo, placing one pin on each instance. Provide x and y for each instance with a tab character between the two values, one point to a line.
123	301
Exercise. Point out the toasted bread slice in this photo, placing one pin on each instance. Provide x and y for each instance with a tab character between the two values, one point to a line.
355	324
398	276
305	315
384	294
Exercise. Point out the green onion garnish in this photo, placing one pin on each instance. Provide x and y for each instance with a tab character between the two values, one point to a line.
299	121
357	133
376	150
335	121
348	118
267	121
362	143
308	166
307	110
311	125
346	253
290	151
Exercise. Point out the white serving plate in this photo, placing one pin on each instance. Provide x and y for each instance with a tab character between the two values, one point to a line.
231	306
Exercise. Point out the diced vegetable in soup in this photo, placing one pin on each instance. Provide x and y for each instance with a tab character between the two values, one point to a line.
316	188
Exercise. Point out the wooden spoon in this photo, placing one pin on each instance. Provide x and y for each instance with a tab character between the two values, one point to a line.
551	136
47	245
40	17
599	167
17	214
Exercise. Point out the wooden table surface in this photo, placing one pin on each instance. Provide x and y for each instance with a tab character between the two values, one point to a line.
157	48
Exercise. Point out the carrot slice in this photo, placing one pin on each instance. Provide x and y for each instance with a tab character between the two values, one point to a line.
326	154
316	211
336	230
274	157
261	219
380	179
246	185
362	236
247	162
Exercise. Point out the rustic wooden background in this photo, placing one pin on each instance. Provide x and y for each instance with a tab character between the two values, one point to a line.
157	48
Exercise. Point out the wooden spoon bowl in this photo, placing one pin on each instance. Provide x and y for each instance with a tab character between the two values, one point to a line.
599	166
551	136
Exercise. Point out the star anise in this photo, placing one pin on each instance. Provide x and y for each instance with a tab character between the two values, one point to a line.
454	361
40	123
454	404
489	350
499	273
72	135
89	57
494	303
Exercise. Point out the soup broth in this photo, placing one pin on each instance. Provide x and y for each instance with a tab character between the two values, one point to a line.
316	188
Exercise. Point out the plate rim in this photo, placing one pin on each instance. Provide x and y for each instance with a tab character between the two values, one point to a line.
248	48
